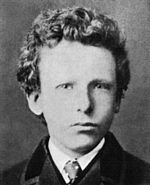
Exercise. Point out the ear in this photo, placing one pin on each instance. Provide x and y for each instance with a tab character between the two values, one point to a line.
34	103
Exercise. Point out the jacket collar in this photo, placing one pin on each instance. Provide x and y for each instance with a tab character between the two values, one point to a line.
35	164
40	166
112	159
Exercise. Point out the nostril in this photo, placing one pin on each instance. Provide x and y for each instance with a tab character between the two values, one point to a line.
78	110
88	111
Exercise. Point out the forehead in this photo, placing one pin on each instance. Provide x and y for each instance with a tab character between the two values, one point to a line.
75	60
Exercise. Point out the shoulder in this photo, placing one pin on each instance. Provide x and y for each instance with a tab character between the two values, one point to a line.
13	174
136	170
132	170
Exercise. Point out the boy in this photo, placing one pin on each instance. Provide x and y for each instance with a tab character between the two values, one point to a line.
74	71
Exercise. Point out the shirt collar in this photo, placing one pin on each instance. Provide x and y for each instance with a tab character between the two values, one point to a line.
87	158
61	158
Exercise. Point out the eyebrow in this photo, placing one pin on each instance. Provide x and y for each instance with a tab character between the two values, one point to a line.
66	82
111	83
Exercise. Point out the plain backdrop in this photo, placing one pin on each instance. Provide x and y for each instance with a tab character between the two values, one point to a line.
20	131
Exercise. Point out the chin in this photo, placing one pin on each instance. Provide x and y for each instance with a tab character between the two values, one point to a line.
84	144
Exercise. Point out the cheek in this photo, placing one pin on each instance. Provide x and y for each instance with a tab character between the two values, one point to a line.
104	112
104	103
56	107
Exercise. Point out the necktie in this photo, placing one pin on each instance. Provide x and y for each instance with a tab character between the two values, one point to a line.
72	169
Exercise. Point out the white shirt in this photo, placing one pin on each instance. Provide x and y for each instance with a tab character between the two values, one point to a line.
61	158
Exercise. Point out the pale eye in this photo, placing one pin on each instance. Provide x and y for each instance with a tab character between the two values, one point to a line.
68	86
102	86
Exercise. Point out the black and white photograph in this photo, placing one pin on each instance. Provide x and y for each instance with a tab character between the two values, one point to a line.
75	92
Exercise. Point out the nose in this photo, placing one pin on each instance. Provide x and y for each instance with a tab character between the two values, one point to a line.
85	102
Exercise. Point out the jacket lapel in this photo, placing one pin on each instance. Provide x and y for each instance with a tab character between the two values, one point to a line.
50	174
112	160
32	171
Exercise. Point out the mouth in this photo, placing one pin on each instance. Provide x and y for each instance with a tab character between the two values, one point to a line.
85	124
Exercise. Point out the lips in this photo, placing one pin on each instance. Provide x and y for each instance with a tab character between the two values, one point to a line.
85	124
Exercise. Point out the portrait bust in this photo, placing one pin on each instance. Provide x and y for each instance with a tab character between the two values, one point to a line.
74	71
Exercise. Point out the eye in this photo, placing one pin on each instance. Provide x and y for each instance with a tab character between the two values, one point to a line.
68	86
100	85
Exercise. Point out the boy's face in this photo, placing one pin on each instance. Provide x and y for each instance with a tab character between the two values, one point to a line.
78	88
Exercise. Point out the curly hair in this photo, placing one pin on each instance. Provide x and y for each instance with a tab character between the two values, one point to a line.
72	24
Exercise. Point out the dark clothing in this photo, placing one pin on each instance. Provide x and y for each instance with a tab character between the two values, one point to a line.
111	166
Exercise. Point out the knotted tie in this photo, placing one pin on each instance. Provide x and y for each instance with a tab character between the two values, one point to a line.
72	169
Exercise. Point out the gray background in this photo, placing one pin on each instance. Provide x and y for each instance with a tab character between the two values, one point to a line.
20	131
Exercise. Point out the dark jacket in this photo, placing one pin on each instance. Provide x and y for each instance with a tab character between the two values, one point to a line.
111	166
